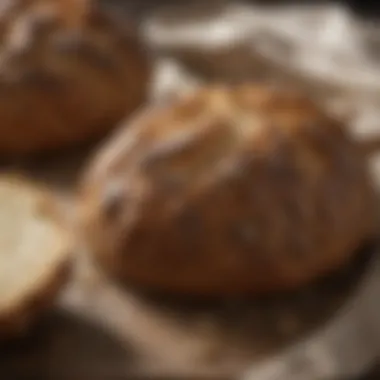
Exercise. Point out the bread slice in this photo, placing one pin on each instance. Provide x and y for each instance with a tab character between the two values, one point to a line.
34	253
246	189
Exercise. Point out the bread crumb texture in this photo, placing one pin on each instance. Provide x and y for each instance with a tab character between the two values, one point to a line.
34	252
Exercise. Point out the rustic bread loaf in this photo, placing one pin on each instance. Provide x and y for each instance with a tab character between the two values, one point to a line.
241	190
34	254
68	73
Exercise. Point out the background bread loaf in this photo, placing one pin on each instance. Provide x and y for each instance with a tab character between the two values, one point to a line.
68	73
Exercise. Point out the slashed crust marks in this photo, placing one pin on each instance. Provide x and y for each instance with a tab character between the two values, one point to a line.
247	189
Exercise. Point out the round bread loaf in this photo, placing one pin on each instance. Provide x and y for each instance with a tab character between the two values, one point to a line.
34	254
68	73
232	190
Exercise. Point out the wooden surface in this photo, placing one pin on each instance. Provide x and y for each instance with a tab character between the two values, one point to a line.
100	330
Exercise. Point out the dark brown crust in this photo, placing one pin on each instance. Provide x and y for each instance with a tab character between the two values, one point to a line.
236	190
68	73
20	317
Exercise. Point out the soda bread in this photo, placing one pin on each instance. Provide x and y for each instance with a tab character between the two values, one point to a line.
68	73
232	190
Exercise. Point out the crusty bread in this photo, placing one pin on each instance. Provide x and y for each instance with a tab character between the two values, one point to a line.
34	253
68	73
241	190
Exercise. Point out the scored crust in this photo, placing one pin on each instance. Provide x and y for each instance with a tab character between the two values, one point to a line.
232	190
35	252
68	73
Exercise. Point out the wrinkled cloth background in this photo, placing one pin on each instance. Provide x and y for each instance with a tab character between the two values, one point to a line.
335	57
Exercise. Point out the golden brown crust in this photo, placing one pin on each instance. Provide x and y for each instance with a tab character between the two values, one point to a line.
248	189
68	73
19	313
